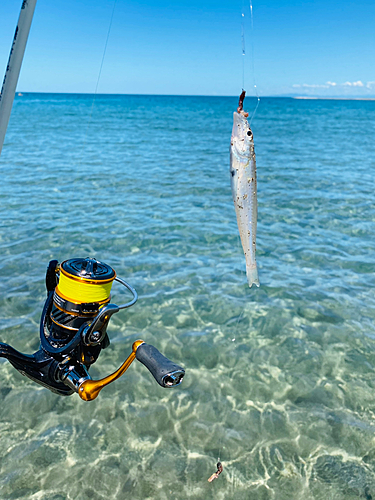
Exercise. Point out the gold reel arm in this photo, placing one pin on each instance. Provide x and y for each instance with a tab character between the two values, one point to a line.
89	389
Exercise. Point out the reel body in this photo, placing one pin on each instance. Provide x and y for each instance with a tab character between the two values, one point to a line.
73	332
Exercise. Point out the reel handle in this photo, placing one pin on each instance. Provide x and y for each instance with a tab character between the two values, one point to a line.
165	372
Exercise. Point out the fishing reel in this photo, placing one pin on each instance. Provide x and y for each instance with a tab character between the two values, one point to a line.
73	331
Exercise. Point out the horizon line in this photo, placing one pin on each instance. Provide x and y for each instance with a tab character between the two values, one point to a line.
275	96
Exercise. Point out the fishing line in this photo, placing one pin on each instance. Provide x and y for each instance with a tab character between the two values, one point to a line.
252	60
243	47
104	52
84	143
243	31
99	75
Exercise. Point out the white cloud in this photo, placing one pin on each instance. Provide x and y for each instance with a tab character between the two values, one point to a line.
356	87
353	84
314	86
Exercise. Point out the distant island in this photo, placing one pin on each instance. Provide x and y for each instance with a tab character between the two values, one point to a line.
337	98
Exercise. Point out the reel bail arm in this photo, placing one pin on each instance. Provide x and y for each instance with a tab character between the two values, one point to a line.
93	332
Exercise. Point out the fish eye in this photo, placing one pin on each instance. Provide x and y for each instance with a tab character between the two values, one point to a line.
249	132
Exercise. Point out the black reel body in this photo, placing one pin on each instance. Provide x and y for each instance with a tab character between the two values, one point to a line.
73	332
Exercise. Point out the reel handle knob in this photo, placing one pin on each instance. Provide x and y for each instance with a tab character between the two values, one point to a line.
165	372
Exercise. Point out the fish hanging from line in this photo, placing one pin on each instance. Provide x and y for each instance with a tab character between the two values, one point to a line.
244	187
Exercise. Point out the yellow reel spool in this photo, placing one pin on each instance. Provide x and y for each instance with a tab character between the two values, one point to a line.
80	290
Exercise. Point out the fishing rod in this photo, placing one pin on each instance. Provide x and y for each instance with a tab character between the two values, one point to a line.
13	68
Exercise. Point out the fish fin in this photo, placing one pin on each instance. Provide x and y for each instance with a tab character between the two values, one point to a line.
252	276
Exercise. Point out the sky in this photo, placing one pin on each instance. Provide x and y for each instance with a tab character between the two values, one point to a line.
194	47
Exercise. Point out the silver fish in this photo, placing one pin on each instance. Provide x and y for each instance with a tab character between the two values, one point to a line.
244	187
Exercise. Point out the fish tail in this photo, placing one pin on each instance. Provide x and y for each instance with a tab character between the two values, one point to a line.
252	275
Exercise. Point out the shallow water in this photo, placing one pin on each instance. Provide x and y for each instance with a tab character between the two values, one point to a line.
279	380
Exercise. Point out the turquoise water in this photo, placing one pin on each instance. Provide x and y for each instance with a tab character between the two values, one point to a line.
279	380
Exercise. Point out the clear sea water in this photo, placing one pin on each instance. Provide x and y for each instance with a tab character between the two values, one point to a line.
280	381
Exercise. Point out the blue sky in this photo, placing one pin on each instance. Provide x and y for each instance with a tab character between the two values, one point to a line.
321	47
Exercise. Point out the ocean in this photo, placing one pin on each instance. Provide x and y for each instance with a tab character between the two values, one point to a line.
280	382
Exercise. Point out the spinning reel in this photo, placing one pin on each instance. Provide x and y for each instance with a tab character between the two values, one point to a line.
73	331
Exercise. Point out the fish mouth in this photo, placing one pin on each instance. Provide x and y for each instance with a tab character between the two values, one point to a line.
240	124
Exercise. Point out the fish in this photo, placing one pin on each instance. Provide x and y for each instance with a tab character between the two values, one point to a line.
244	187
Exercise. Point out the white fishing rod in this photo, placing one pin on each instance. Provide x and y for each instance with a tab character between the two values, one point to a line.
13	69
